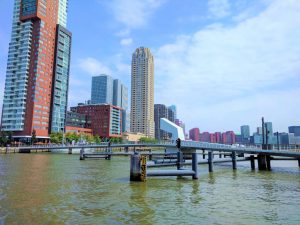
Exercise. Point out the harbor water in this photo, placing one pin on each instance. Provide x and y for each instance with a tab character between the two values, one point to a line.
50	188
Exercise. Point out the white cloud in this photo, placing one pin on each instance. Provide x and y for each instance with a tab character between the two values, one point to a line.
126	41
134	13
219	8
93	67
248	62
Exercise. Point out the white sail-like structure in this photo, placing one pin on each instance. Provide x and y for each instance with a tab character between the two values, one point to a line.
170	127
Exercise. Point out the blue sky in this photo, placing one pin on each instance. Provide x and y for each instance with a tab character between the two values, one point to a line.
222	63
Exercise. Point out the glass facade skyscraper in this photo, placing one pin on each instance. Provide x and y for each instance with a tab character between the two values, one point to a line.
61	80
102	89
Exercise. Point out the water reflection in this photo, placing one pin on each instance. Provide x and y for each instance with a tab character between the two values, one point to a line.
60	189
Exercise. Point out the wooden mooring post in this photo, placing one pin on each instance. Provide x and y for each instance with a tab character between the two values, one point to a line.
82	154
138	167
210	161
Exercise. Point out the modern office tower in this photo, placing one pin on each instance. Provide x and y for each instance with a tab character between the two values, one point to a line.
142	92
259	130
102	89
120	99
269	127
194	134
295	130
160	111
32	68
171	115
245	131
174	109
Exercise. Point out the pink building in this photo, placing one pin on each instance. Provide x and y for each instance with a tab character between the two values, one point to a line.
194	134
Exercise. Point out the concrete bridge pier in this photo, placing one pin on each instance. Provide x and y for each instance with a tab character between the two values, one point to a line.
252	160
268	160
195	165
262	162
179	160
233	160
210	161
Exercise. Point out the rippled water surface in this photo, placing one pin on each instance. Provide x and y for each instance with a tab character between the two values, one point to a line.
61	189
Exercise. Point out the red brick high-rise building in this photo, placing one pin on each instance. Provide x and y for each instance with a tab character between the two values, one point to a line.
35	97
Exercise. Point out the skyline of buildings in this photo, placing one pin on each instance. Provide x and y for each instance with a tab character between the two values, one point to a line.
43	108
142	92
36	85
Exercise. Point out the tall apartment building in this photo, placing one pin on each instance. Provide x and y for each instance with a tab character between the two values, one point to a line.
245	131
160	111
36	85
142	92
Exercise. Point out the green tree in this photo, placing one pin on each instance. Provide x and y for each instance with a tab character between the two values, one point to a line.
33	137
147	140
56	137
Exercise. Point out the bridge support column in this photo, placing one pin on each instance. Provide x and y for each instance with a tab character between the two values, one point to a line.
195	165
220	155
299	162
126	149
70	150
179	160
82	154
252	160
268	160
203	154
234	160
150	154
262	162
210	161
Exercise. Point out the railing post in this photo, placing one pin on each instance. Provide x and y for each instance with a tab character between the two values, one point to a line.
195	165
210	161
252	160
234	160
